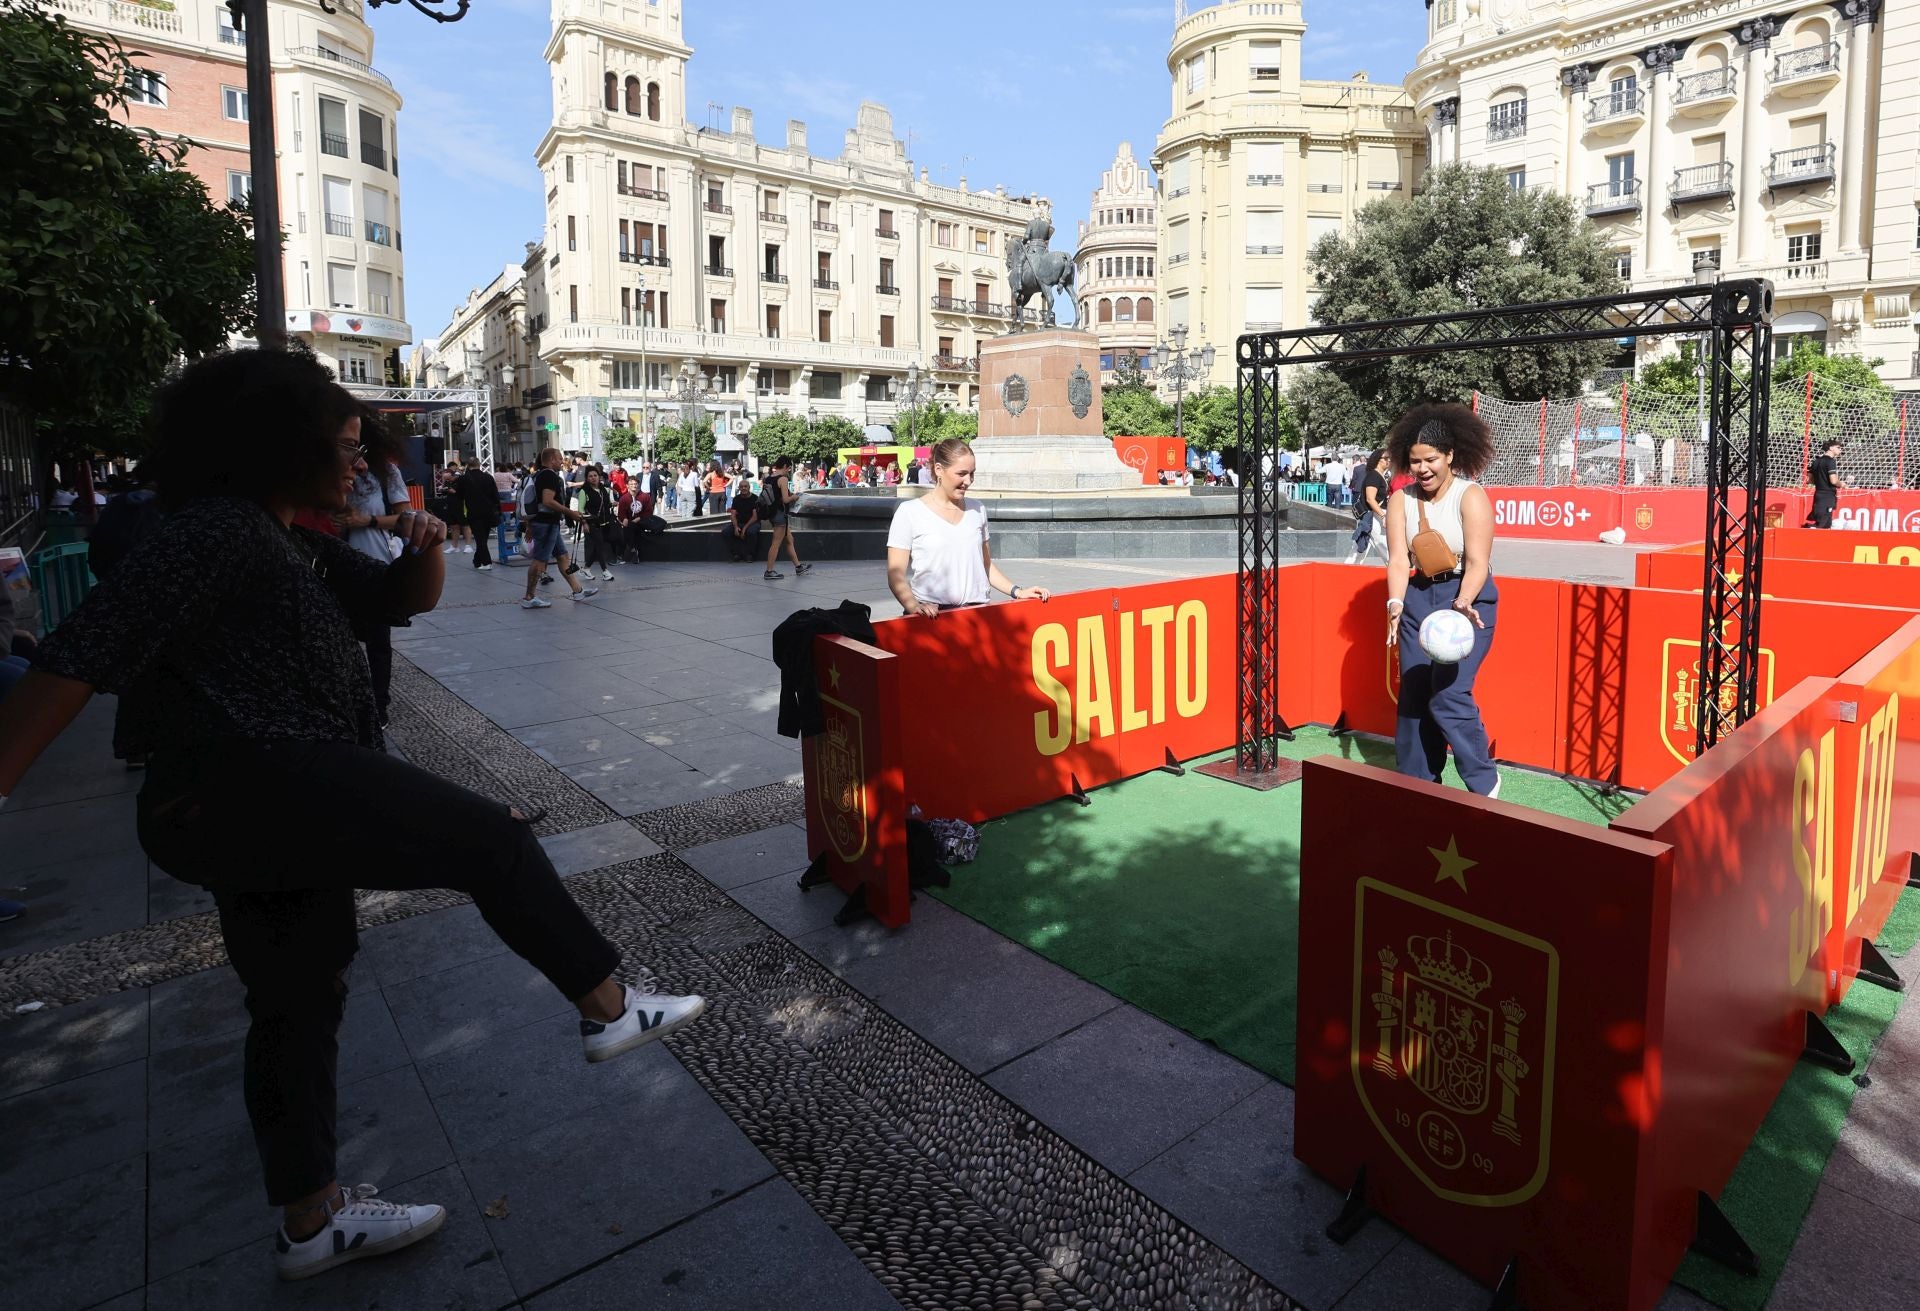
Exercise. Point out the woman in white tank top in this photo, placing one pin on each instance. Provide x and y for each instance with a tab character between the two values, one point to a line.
1444	447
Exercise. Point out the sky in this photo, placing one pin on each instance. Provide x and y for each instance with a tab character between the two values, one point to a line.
1038	107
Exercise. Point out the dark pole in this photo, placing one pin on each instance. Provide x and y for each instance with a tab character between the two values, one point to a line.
270	327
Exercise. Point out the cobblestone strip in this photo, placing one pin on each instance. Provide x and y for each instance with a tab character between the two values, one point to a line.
950	1194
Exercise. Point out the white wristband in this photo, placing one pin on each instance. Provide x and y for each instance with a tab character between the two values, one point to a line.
1395	603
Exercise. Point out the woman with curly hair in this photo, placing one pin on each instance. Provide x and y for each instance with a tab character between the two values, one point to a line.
1440	556
228	634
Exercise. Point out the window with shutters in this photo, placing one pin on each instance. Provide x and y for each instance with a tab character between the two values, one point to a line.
340	287
610	95
1177	316
1321	225
824	386
886	330
1143	310
1106	309
1179	176
1178	248
1196	73
773	322
1265	307
573	304
1383	169
1123	310
826	326
717	315
1265	231
1265	163
1326	172
1263	61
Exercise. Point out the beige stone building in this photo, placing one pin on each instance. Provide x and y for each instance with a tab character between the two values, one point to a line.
1256	163
488	345
1115	264
793	281
1708	138
339	169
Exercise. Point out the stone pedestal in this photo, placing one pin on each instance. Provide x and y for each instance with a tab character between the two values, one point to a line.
1032	438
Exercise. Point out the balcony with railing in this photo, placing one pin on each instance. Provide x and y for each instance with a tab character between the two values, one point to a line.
1506	127
767	216
1178	258
1801	165
965	305
1259	248
1706	93
373	154
891	234
774	276
333	145
1177	192
956	363
1808	69
641	193
719	271
1618	196
820	225
715	207
1701	182
232	36
636	257
1616	109
117	13
379	233
826	284
1265	180
886	289
339	225
317	55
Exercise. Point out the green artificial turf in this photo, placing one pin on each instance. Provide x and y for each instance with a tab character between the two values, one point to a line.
1181	896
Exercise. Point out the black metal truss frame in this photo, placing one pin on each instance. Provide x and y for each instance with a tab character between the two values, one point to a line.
1736	318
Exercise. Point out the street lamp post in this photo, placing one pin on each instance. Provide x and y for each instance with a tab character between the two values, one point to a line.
646	399
695	387
914	391
250	16
1183	366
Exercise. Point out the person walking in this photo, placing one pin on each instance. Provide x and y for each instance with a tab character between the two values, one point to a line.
938	553
716	489
229	637
373	508
601	525
1824	481
777	498
1369	506
687	486
1440	556
544	543
479	495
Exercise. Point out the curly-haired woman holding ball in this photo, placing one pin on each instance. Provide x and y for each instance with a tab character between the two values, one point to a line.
1439	557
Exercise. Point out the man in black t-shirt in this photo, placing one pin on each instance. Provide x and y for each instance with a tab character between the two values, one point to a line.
545	544
1825	482
1370	507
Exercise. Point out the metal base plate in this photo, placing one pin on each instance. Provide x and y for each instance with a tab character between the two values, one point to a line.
1262	780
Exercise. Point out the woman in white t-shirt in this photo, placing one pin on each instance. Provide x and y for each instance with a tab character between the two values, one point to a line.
937	550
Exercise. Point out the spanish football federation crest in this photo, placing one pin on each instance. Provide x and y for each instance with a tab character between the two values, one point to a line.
841	796
1643	518
1680	691
1454	1020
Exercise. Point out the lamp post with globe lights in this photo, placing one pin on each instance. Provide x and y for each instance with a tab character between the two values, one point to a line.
694	390
1183	366
913	393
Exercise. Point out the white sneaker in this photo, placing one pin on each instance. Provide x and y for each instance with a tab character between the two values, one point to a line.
586	592
483	568
365	1226
606	575
535	603
1495	794
648	1016
468	548
448	549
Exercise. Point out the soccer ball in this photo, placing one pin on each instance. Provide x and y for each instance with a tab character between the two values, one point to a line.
1447	637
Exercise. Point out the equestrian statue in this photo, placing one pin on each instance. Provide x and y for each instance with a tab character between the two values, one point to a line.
1033	270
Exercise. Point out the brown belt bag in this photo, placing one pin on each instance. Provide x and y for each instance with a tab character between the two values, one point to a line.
1432	557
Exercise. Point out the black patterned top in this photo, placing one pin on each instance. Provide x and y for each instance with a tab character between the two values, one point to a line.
223	624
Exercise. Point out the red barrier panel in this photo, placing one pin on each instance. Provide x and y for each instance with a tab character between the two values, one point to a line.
1877	797
1479	1031
856	809
1849	546
1752	903
1014	704
1655	515
1811	580
1799	639
1151	455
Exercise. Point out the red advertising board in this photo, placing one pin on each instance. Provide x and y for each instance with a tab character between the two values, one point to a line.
1751	827
1876	796
1811	580
1845	546
1090	687
1478	1030
856	808
1151	455
1655	515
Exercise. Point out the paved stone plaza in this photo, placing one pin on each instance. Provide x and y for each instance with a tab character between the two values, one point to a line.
984	1129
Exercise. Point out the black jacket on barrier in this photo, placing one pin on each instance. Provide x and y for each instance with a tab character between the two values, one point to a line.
800	714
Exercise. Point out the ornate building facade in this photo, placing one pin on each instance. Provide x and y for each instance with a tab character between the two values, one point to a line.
1708	138
1115	259
792	281
339	166
1256	163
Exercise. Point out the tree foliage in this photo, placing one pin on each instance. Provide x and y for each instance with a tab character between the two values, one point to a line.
791	435
1468	241
114	261
926	424
1130	409
622	443
676	443
1850	401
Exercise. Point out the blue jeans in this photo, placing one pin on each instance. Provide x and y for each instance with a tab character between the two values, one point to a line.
1437	709
545	543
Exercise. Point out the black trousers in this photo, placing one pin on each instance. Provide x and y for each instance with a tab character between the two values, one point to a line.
483	542
379	644
283	833
598	551
1821	513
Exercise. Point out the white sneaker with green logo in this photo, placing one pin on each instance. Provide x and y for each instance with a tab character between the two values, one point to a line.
648	1015
365	1226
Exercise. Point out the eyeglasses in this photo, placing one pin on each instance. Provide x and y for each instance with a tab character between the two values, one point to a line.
354	454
